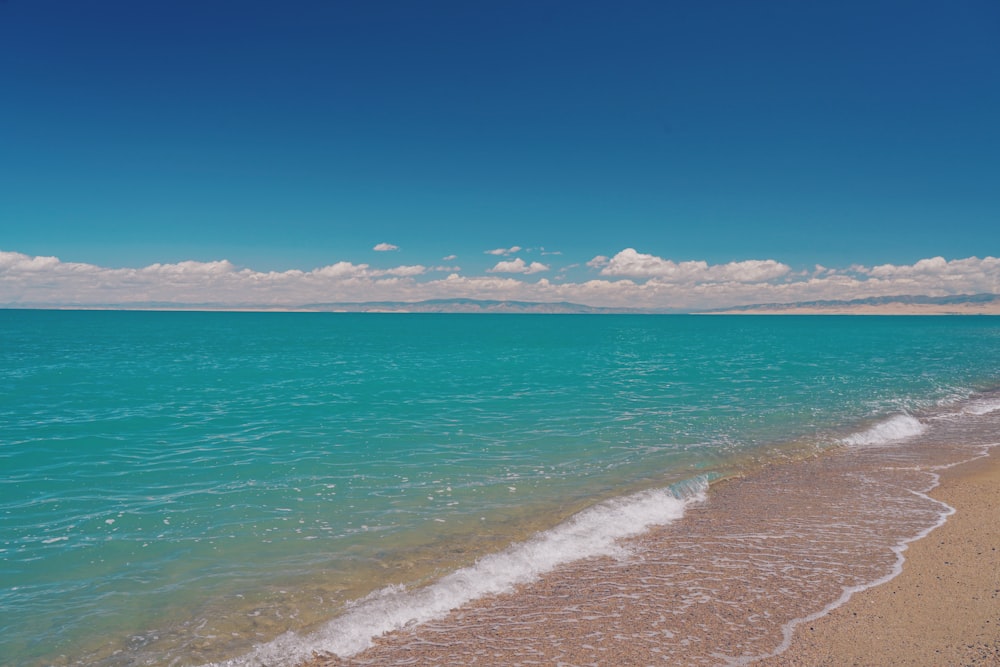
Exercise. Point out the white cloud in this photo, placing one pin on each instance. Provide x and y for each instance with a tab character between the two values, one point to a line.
403	271
342	270
385	247
518	266
449	258
504	251
634	264
15	261
937	269
628	279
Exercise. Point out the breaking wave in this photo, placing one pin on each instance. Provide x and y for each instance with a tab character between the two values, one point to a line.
592	532
897	427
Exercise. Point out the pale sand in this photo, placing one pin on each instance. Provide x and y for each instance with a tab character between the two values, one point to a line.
944	609
990	308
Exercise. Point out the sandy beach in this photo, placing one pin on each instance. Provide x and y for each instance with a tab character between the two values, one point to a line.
971	308
943	609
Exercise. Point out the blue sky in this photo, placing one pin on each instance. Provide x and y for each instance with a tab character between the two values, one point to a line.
295	136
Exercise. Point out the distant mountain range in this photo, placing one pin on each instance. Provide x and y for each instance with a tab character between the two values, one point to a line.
962	304
428	306
464	306
965	304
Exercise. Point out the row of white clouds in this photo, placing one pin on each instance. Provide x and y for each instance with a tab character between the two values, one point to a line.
516	265
627	279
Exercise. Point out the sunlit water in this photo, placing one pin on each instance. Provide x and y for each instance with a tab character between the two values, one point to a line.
178	487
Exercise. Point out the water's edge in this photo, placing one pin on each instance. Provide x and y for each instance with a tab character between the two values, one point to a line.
394	609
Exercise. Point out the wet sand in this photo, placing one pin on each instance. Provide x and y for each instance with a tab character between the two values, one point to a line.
725	585
944	609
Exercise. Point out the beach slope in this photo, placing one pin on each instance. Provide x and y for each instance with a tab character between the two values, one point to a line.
943	609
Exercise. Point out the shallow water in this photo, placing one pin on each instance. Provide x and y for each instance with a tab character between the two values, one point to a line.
178	487
724	585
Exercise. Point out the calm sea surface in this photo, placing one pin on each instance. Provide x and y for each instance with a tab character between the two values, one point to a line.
178	487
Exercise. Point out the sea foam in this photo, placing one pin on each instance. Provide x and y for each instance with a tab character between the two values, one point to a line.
983	406
897	427
590	533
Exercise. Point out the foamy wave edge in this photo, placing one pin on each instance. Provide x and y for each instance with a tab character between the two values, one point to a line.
592	532
897	427
983	406
788	630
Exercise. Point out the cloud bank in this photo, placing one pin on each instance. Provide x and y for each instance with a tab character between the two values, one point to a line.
626	279
637	265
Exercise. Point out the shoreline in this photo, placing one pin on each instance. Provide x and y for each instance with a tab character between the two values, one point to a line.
989	308
896	622
942	609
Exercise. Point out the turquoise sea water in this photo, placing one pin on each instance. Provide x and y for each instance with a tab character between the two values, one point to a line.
177	487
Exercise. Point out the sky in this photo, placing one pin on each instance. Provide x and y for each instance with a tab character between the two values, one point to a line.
655	154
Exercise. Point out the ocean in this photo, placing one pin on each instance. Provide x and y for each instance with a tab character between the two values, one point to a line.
187	488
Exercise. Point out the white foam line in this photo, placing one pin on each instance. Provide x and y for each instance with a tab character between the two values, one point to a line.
895	428
788	630
592	532
983	407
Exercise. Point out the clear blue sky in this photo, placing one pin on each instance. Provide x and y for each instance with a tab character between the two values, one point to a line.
298	134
